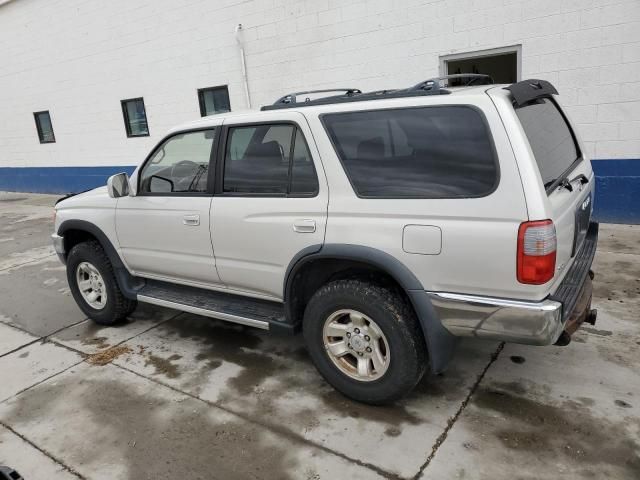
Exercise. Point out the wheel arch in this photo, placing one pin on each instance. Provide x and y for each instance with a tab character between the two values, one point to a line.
315	265
76	231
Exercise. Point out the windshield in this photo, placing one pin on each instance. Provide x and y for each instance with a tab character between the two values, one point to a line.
550	138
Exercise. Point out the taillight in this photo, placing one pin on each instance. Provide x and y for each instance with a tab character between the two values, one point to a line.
536	252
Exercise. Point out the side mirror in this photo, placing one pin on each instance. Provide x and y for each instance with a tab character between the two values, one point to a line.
118	185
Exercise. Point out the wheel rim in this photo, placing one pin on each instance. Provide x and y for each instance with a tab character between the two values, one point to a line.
356	345
91	285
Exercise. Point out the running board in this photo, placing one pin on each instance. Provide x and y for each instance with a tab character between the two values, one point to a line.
222	306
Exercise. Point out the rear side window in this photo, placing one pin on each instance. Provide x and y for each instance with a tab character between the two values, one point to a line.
550	138
427	152
269	160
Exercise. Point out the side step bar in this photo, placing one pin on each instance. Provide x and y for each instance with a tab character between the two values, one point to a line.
250	322
222	306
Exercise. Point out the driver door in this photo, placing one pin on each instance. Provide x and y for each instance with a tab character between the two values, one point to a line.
163	230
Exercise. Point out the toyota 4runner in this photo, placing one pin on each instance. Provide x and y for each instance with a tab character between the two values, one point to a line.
384	225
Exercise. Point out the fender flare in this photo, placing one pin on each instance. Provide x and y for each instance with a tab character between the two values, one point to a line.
129	285
441	344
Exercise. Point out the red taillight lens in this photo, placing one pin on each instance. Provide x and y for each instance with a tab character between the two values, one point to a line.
536	252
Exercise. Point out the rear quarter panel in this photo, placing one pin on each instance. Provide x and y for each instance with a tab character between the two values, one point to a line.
479	235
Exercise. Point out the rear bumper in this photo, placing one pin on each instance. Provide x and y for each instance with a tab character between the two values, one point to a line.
532	323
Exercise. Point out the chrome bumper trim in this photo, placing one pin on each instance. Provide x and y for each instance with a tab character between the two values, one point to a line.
532	323
58	245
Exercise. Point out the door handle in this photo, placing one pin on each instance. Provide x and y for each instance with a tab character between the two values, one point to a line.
191	220
304	226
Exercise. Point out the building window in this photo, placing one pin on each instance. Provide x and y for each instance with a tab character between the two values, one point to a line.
44	127
135	117
502	64
213	100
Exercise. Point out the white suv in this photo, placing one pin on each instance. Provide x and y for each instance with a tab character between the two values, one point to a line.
385	225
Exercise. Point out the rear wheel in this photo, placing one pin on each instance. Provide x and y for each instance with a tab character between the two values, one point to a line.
365	340
93	285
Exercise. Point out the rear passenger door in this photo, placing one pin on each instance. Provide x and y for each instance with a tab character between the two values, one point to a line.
270	203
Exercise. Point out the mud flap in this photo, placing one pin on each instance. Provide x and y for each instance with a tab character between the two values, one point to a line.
441	345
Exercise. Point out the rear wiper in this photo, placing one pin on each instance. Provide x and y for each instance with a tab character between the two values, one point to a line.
564	182
582	177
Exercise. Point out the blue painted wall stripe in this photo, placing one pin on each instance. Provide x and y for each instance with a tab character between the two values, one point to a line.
617	190
57	179
617	184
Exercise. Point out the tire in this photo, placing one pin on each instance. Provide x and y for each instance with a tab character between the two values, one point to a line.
401	341
115	306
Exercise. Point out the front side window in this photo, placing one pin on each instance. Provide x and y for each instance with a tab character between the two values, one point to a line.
179	165
423	152
213	100
550	138
44	127
269	160
135	117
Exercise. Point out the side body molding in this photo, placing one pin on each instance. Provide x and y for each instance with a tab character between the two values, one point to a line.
440	343
128	284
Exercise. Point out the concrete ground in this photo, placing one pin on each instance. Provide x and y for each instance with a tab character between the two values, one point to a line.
172	395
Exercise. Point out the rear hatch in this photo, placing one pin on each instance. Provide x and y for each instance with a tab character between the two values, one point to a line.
565	171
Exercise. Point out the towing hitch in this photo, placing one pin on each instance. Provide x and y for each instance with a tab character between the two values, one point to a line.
591	317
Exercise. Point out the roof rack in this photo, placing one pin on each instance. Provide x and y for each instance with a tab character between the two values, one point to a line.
428	87
473	79
292	97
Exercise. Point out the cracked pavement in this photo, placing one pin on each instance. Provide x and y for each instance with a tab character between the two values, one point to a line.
170	394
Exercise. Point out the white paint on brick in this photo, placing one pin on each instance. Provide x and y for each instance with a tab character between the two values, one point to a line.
78	59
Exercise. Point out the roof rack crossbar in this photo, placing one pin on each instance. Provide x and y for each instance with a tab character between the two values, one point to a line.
434	83
356	97
291	97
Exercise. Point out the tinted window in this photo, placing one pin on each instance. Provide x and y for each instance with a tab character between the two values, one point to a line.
44	127
135	117
433	152
179	165
213	100
303	175
549	136
268	159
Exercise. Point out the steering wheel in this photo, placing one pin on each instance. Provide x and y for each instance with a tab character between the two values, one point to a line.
182	174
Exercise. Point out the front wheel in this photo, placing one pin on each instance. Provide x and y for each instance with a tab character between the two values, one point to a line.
365	341
93	285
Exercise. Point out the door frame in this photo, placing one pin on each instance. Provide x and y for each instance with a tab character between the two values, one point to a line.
490	52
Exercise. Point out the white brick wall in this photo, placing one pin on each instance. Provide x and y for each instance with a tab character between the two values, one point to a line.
79	58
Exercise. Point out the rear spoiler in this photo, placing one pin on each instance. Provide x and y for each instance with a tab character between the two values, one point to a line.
532	89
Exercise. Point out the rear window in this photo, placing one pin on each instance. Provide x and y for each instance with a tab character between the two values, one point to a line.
550	138
427	152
